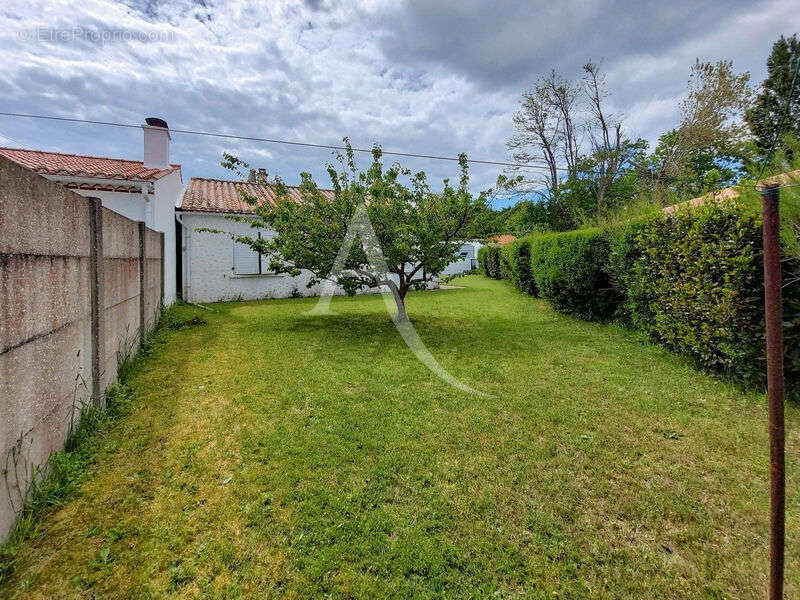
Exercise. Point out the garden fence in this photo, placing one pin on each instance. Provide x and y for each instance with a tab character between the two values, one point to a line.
80	286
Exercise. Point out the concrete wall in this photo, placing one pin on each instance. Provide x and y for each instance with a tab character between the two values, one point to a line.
208	269
69	298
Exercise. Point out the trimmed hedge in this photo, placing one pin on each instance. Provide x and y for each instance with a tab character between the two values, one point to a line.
692	280
517	257
571	270
489	261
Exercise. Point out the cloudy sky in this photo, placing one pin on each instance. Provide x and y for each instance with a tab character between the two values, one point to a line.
424	76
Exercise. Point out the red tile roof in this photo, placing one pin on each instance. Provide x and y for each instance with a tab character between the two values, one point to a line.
77	165
503	239
729	193
222	196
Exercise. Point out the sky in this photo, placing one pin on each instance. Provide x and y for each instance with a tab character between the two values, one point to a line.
420	76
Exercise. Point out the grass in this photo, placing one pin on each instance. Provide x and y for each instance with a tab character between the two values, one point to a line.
60	478
271	454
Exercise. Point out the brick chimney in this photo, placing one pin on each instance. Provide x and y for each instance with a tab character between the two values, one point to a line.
156	143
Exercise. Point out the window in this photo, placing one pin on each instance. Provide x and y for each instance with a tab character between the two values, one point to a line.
247	261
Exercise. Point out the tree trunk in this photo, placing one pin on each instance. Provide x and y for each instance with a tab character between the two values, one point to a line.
399	299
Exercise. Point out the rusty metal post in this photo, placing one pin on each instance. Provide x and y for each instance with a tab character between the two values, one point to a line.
775	391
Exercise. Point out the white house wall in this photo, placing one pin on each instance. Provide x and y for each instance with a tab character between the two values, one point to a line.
167	192
209	268
128	205
467	263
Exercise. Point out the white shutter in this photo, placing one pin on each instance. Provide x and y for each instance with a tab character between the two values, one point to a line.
245	259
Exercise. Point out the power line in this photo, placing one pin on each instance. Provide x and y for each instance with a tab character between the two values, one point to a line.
309	144
280	141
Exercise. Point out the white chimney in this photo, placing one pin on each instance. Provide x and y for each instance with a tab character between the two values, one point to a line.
156	143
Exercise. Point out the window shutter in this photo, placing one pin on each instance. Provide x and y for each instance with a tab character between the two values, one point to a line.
245	259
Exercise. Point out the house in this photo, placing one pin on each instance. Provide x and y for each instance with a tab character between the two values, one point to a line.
212	266
142	190
466	258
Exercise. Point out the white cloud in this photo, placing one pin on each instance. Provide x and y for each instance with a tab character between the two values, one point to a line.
419	77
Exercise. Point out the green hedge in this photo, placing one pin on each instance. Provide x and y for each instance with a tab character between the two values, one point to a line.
489	261
571	271
517	258
692	280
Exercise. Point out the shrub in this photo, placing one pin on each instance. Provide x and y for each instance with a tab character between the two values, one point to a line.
693	280
517	257
505	265
489	261
624	251
571	270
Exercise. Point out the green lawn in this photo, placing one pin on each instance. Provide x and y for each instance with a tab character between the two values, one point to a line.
270	454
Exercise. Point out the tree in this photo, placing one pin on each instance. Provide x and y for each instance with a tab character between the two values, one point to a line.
767	117
545	132
417	231
708	148
605	134
565	130
603	180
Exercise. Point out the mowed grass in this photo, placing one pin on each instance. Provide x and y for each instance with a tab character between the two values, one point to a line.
270	454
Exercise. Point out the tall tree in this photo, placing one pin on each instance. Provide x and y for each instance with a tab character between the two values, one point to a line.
708	147
545	132
417	231
605	135
565	129
766	117
604	180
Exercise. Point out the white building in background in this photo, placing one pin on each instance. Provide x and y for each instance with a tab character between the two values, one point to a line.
142	190
212	266
466	258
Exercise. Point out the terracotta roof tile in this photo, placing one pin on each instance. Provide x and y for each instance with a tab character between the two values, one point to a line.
503	239
730	193
220	195
77	165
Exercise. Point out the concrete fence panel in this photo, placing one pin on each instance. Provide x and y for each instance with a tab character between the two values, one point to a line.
120	292
152	272
69	300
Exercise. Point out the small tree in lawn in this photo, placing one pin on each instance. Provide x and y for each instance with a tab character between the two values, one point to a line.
418	231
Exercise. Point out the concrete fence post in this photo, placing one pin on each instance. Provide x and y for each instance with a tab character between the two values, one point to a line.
142	280
96	293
